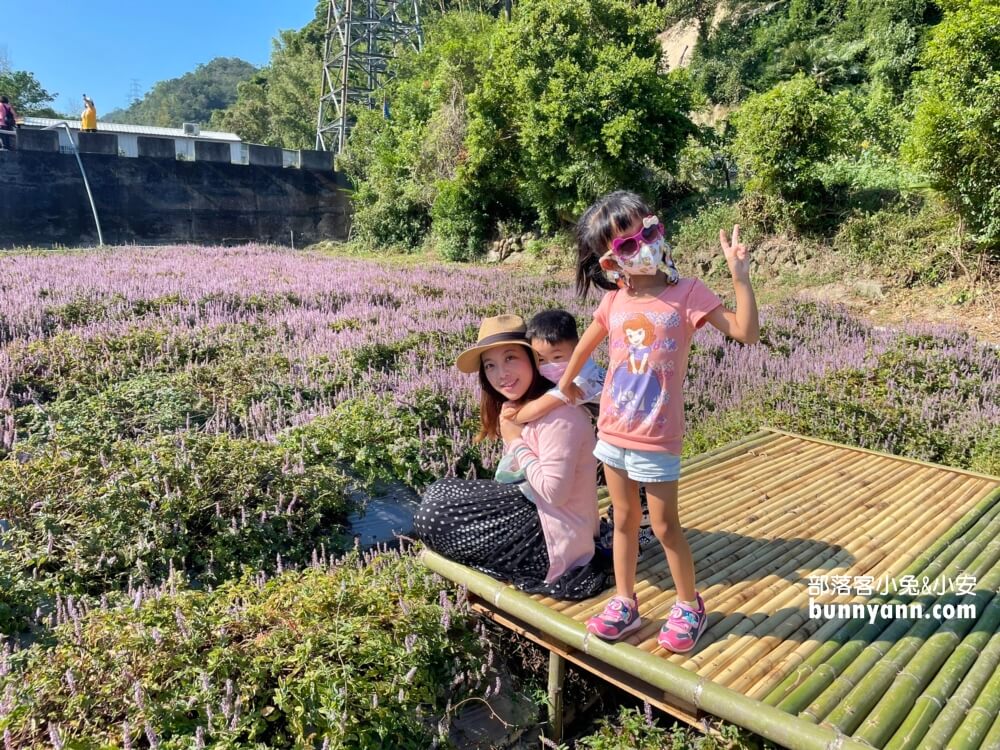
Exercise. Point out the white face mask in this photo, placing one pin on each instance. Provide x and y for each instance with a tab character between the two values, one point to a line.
646	262
553	370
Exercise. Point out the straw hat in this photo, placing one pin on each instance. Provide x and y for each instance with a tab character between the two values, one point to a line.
502	329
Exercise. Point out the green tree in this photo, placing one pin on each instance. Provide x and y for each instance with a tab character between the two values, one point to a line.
577	93
954	135
521	123
400	165
26	93
277	105
782	136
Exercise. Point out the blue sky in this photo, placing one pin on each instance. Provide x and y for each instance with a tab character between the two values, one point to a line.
98	46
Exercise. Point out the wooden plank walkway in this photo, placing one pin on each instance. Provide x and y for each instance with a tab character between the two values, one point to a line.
772	517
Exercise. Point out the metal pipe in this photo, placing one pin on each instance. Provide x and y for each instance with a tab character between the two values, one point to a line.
86	184
767	721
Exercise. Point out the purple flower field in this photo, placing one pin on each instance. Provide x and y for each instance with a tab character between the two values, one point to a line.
390	330
181	417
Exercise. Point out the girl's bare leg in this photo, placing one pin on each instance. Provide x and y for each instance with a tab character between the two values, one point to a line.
628	515
662	500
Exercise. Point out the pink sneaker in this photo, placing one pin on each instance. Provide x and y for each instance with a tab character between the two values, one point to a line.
682	629
619	617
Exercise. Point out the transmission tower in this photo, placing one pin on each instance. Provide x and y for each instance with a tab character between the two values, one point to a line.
361	38
134	91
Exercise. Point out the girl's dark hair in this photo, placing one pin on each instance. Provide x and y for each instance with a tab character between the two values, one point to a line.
609	215
491	400
4	100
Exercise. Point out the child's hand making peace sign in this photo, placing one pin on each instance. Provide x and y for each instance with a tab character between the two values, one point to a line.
737	255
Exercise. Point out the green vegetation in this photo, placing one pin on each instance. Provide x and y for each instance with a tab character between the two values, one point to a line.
361	653
955	136
633	730
782	136
516	124
25	93
277	105
193	97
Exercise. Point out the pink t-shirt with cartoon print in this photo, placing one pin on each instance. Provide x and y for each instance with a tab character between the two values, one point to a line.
649	338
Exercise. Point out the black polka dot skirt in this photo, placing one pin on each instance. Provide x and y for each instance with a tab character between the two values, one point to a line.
494	528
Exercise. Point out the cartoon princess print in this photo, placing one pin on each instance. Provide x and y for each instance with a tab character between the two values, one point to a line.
638	387
639	332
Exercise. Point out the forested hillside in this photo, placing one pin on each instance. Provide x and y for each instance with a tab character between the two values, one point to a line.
192	97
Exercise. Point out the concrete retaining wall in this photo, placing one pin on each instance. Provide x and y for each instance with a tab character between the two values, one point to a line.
152	199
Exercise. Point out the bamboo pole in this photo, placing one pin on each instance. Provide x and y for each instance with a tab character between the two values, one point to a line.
888	529
741	563
907	669
762	591
836	703
557	676
918	462
729	705
713	488
721	489
798	630
980	718
932	563
954	711
927	707
761	680
595	603
702	544
757	439
992	738
765	524
748	657
777	684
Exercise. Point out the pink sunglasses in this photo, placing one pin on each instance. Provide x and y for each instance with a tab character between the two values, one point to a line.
626	247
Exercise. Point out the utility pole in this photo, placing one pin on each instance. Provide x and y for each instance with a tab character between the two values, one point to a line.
361	38
134	91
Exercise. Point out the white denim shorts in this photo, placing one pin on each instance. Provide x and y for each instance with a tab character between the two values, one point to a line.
641	466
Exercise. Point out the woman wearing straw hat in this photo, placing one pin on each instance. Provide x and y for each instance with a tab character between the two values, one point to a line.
533	524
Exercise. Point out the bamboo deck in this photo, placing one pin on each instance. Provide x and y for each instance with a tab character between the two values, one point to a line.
762	516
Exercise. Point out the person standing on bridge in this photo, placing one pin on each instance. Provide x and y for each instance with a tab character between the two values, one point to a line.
8	122
88	120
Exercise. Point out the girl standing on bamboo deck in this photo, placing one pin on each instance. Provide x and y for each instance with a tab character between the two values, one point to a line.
650	315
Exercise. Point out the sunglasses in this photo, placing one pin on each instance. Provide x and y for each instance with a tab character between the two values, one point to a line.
626	247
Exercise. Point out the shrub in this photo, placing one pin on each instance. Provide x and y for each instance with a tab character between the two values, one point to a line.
386	440
700	233
206	504
632	730
142	406
523	122
350	656
954	135
916	239
70	365
782	136
911	403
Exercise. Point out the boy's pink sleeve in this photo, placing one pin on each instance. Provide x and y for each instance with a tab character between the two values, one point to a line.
701	301
603	312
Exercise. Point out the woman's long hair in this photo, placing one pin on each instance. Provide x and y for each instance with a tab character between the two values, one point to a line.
491	400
